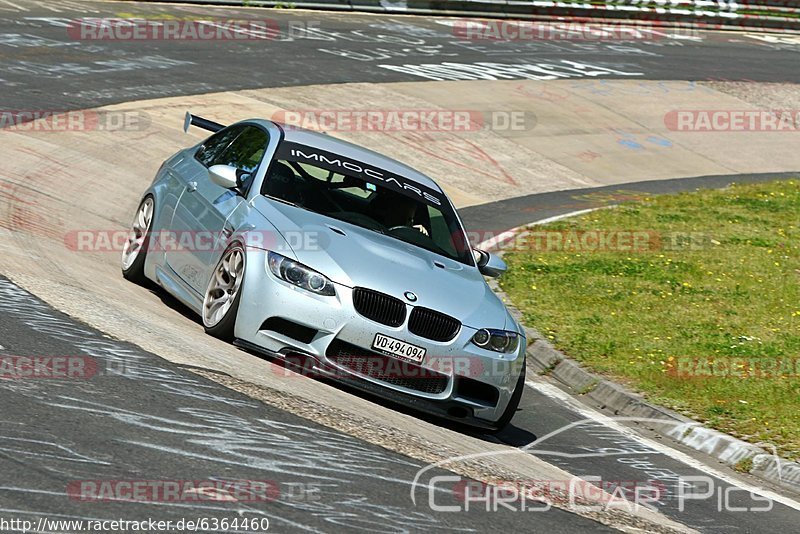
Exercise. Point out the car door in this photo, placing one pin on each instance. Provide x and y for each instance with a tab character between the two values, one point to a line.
201	226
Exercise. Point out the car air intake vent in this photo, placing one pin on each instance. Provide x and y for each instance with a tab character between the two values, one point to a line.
477	391
288	328
433	325
379	307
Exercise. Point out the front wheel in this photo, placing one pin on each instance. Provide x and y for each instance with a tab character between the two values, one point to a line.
221	300
135	249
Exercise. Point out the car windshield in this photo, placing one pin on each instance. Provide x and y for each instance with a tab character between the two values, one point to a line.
367	197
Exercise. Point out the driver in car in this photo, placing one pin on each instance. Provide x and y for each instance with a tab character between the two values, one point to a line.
393	210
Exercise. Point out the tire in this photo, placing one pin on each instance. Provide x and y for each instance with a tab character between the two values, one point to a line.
227	281
513	404
134	252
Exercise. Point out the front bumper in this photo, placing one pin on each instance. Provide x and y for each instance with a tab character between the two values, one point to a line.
456	379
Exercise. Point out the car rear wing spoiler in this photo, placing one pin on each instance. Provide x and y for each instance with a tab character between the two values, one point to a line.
200	122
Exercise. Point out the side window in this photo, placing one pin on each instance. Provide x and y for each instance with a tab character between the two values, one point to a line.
211	153
241	147
247	149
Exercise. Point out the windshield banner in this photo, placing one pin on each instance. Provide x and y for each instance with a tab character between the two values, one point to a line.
339	164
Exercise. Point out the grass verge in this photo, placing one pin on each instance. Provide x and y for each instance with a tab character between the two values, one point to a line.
692	299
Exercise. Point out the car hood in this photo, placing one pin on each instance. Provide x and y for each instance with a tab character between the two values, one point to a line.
356	257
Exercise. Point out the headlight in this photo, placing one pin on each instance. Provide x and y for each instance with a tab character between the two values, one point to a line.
299	275
496	340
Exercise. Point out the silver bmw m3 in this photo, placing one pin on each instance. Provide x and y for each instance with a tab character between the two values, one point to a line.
339	260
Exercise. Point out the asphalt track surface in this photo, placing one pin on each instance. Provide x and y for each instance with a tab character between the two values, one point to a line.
45	66
123	426
512	213
136	417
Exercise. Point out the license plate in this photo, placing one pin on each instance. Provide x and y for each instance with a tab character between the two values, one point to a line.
395	347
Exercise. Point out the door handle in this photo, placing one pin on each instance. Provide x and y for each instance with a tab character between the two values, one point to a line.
191	186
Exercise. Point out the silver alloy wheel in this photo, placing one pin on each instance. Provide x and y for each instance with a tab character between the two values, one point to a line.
224	286
138	234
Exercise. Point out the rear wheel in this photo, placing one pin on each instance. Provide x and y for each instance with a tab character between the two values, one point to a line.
134	251
221	300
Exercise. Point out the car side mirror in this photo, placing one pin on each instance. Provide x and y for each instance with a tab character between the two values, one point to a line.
489	264
224	176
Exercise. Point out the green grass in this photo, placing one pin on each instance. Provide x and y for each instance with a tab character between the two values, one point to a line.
728	292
